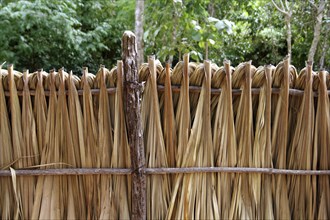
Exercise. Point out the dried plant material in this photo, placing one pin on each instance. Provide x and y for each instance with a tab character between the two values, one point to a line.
158	186
182	116
144	74
321	145
196	79
237	81
80	156
105	142
120	155
227	131
91	146
242	206
110	82
47	203
280	140
182	119
224	140
40	114
177	78
17	144
261	184
169	125
194	194
7	202
302	192
40	109
30	147
216	82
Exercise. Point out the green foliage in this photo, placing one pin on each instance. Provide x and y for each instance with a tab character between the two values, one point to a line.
74	33
51	34
235	30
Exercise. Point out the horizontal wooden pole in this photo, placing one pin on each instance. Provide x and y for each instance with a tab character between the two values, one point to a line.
234	170
68	171
192	89
162	171
236	92
80	92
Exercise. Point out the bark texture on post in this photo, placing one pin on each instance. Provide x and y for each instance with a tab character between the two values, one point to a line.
132	102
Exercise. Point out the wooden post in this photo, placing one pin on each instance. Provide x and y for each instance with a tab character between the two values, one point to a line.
132	102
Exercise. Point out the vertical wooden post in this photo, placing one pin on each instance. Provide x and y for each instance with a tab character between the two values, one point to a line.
132	102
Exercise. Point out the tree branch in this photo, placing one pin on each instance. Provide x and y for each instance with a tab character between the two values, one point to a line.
317	30
280	9
286	5
282	5
312	3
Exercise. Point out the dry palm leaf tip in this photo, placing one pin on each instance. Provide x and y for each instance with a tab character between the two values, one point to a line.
194	115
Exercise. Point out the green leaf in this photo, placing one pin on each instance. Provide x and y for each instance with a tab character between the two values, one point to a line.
145	35
220	25
212	19
194	55
211	41
197	37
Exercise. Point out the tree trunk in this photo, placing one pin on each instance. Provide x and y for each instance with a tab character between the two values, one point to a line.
288	32
317	30
139	14
325	46
210	8
285	10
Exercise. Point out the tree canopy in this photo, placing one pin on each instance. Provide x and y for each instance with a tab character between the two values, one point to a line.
46	34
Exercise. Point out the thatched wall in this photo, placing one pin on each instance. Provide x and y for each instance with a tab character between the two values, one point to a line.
205	116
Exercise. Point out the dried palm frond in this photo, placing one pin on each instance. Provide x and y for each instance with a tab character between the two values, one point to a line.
237	81
47	200
261	184
30	148
7	200
182	119
194	194
40	112
294	104
80	156
105	129
196	79
177	78
40	107
242	205
182	116
110	81
96	84
144	74
224	140
158	186
68	193
90	144
167	114
120	155
280	139
169	126
302	192
105	141
17	144
216	82
321	145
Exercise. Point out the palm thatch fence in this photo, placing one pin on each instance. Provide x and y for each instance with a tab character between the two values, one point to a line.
197	141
